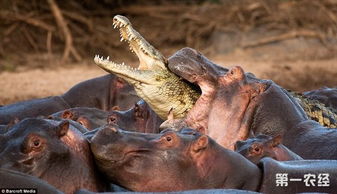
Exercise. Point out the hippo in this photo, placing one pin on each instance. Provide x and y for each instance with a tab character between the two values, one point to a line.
53	151
13	179
325	95
229	98
139	118
90	118
32	108
234	105
131	159
102	92
188	160
254	149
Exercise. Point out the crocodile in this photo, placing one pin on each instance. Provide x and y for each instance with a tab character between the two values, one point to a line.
163	90
152	80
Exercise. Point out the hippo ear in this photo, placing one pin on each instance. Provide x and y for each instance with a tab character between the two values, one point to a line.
276	141
200	144
62	128
67	114
115	108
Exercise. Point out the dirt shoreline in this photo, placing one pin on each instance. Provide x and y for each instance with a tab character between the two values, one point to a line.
38	83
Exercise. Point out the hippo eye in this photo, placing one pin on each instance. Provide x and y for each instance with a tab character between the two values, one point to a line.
36	143
168	138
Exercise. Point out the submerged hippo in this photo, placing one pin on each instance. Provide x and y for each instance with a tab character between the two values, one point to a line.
254	149
139	118
188	160
13	179
51	151
102	92
90	118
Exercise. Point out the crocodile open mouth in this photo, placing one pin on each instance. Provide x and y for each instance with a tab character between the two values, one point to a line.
149	57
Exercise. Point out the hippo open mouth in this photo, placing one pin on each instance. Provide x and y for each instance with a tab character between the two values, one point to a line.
229	98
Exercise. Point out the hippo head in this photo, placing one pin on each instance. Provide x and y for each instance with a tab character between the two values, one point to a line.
149	162
258	147
90	118
233	104
139	118
53	151
170	161
33	145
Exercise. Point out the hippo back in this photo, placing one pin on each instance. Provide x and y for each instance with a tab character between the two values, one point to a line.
17	180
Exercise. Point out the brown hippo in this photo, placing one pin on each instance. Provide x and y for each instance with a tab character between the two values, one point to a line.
256	148
182	161
90	118
32	108
139	118
13	179
325	95
188	160
235	105
52	151
229	98
102	92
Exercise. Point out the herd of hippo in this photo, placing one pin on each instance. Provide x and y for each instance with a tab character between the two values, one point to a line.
182	124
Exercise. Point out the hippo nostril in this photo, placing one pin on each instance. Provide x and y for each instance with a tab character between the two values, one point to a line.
112	120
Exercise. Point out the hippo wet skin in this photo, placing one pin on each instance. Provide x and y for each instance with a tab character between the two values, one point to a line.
51	151
188	160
